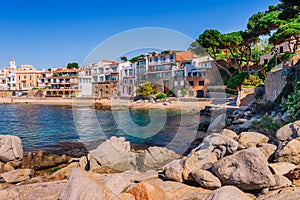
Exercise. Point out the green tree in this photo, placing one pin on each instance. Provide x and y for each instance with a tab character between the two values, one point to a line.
237	80
72	65
211	41
290	32
146	89
292	104
124	58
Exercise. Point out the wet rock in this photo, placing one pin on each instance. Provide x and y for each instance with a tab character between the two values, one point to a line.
202	159
115	153
173	170
252	139
289	131
84	185
40	160
17	176
218	144
289	152
10	148
63	173
228	193
246	169
206	179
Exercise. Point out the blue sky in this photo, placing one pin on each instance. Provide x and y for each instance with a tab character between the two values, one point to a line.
53	33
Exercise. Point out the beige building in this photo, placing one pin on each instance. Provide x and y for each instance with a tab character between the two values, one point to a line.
27	77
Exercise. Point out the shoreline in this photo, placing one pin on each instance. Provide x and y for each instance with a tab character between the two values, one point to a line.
118	104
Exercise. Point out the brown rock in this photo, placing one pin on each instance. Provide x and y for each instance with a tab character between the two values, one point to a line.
282	168
252	139
294	176
147	190
125	196
228	193
173	171
206	179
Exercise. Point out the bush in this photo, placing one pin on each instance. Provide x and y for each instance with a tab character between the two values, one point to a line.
292	104
237	80
253	80
161	95
267	125
184	92
146	89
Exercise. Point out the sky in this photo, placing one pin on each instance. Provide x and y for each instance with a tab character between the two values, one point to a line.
52	33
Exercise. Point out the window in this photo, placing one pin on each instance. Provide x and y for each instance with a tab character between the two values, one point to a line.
281	49
201	83
24	76
24	84
191	83
175	83
181	83
19	77
30	77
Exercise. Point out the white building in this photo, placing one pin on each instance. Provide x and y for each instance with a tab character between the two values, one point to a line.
204	62
10	73
85	82
128	79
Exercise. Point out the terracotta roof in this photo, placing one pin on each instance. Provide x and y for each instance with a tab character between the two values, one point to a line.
185	55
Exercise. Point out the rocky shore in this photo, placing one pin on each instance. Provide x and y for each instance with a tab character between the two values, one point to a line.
231	161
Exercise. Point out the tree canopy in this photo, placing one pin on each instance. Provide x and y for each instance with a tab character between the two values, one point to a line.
73	65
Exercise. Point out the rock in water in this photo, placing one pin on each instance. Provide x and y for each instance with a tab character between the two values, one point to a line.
115	153
246	169
10	148
228	193
83	185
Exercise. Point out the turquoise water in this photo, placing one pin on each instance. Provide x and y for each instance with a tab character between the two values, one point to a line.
63	129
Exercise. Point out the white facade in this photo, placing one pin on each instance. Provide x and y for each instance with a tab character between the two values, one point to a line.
85	82
128	80
204	62
10	73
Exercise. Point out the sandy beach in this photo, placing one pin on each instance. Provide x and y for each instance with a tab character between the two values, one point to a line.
110	104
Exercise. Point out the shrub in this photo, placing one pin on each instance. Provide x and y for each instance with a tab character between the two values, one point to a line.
292	104
146	89
237	80
161	95
253	80
184	92
267	125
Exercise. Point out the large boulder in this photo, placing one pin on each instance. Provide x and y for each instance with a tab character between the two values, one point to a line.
219	144
202	159
280	182
252	139
116	183
217	125
173	170
206	179
147	190
10	148
268	149
288	132
84	185
289	152
115	153
47	190
155	158
246	169
228	193
229	133
16	176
